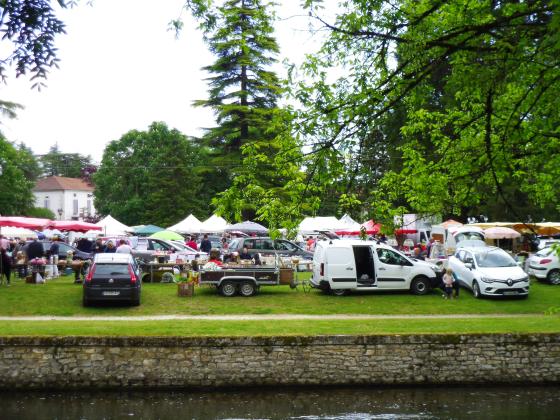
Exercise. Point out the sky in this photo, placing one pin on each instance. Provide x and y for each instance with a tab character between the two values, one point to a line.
121	69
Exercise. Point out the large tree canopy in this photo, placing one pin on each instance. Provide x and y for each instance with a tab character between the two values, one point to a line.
150	177
15	187
73	165
477	87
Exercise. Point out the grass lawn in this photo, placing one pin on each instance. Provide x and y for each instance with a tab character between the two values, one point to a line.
63	298
534	324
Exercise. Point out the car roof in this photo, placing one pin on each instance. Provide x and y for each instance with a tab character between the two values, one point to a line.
112	258
353	242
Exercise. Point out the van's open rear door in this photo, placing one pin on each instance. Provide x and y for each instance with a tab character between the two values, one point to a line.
340	268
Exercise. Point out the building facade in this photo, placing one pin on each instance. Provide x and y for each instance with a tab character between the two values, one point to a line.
67	198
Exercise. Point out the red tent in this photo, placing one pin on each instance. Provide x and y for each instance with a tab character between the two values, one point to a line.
73	225
24	222
372	228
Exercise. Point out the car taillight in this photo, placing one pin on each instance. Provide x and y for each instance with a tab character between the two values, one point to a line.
322	271
90	273
545	261
132	275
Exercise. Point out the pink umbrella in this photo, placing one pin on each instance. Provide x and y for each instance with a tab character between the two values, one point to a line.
24	222
499	232
73	225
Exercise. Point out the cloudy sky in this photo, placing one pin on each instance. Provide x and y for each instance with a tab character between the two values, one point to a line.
121	69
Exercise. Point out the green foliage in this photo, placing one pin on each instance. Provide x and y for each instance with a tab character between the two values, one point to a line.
31	27
40	212
56	163
461	95
151	177
15	188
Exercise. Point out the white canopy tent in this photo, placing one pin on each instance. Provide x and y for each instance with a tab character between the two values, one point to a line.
214	224
313	224
15	232
189	225
110	227
347	224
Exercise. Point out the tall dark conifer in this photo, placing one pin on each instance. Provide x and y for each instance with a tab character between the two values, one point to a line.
243	91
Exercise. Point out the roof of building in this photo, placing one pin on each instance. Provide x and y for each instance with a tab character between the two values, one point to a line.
61	183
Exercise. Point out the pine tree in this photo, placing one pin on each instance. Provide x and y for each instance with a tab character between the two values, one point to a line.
243	91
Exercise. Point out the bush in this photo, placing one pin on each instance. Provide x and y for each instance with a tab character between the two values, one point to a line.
40	212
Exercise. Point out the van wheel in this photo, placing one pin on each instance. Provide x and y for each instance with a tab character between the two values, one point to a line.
228	289
247	289
420	286
339	292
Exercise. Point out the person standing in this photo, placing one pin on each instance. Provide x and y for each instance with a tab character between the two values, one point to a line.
53	259
192	243
123	248
206	245
35	250
98	247
5	265
448	283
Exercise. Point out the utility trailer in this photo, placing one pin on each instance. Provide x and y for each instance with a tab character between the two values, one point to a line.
245	281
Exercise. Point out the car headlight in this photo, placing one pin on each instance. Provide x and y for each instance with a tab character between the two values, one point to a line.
486	279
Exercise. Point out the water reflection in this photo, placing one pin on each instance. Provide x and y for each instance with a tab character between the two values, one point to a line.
347	404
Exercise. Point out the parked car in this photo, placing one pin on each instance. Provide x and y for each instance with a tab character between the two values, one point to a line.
63	249
266	245
112	277
340	266
545	265
547	242
489	271
147	247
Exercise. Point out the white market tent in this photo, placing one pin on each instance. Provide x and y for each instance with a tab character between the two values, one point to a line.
110	227
214	224
313	224
347	224
15	232
189	225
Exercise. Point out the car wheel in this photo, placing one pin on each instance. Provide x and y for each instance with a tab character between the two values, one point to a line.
476	290
339	292
228	289
247	289
553	276
420	286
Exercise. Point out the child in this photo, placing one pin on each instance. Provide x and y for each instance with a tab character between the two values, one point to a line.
448	283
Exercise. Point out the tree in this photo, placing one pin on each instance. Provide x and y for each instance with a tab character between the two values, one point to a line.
477	82
15	188
243	95
40	212
73	165
150	177
31	27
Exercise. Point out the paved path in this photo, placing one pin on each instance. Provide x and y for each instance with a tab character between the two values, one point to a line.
284	317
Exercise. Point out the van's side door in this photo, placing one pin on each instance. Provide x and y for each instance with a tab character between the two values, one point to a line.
392	270
340	269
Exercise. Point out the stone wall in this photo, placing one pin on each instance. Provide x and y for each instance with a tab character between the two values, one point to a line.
171	362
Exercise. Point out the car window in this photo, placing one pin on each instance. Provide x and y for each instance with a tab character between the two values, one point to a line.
234	244
63	248
460	255
264	244
249	243
111	269
284	246
544	252
156	246
387	256
495	258
468	258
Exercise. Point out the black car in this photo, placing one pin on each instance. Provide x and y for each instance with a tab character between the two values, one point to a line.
112	277
266	245
63	249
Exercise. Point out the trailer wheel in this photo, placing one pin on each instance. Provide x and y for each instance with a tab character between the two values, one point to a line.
247	289
228	289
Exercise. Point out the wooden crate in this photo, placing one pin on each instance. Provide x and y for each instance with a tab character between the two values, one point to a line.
286	275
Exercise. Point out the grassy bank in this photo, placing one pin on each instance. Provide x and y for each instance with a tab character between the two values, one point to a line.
534	324
63	298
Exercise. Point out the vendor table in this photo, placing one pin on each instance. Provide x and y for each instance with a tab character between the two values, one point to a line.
161	272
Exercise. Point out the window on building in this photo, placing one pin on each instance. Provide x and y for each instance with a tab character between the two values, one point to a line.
47	204
89	207
75	207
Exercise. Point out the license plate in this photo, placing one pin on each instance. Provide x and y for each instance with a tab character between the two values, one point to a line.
510	293
111	293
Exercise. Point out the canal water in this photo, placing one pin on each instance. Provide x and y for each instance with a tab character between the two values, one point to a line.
303	404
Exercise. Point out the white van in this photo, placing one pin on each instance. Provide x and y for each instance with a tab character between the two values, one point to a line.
340	266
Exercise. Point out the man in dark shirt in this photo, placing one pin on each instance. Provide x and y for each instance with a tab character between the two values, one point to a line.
35	250
98	246
206	245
